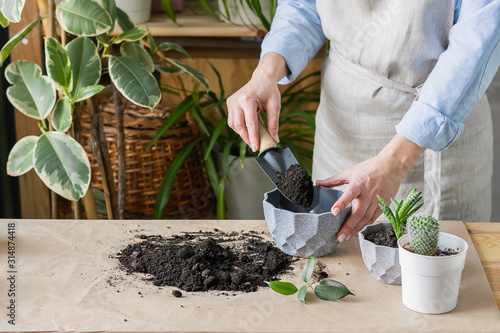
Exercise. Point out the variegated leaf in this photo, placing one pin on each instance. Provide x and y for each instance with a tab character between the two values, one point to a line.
134	81
12	9
85	64
14	41
20	158
61	117
31	93
87	92
62	164
57	63
83	17
138	52
131	35
188	70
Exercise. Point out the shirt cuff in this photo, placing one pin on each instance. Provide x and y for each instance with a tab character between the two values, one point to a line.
429	128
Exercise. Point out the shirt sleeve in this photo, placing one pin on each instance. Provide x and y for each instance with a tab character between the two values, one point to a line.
295	34
460	77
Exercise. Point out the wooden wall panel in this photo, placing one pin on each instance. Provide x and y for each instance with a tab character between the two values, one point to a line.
35	197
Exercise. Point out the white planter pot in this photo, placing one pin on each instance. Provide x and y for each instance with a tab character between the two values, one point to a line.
431	284
245	189
139	11
240	14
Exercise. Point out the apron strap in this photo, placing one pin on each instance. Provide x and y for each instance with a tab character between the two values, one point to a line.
346	64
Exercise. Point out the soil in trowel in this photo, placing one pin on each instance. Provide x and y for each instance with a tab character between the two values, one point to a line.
202	261
296	185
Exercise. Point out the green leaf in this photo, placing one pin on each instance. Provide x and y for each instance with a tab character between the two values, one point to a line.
3	21
215	136
87	92
283	288
123	20
189	71
169	178
20	158
61	116
308	269
301	295
110	6
208	9
12	9
57	64
152	45
167	46
168	70
85	64
138	52
331	290
131	35
134	81
31	93
83	17
176	114
62	164
100	201
169	10
14	41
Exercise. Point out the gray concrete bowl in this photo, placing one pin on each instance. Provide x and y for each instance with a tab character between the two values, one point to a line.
304	232
381	261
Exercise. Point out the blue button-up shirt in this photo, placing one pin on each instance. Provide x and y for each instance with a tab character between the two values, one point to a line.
460	77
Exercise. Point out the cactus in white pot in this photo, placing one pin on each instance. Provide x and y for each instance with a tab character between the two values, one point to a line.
424	235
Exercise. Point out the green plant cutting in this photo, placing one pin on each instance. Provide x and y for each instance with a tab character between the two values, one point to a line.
327	289
424	235
402	210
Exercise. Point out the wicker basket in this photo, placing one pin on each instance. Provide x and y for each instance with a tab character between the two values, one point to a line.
191	197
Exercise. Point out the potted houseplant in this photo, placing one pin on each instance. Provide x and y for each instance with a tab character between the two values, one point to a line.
431	262
75	74
378	242
230	152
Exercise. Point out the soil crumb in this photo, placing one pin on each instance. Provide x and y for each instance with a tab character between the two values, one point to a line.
210	260
296	185
385	237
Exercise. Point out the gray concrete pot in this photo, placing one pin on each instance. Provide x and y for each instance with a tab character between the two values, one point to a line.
381	261
300	232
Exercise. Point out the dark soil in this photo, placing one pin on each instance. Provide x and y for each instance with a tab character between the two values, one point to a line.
385	237
202	261
439	253
296	185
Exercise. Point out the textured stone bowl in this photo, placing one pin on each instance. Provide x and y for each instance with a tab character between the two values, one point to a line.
304	232
381	261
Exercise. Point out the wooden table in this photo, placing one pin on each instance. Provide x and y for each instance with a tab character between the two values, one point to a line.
486	238
66	278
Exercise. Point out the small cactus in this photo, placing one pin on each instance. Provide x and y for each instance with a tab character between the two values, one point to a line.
424	234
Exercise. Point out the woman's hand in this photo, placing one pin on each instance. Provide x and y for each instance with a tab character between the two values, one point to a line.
381	175
260	93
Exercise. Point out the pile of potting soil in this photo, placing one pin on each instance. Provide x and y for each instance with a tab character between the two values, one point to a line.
296	185
205	261
385	237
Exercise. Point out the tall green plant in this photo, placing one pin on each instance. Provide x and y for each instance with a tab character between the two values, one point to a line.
209	110
74	73
402	210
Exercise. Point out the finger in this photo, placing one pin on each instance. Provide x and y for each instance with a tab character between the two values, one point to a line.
337	180
369	217
356	216
351	193
239	126
273	114
252	127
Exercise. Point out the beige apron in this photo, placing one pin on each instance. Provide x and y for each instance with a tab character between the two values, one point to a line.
381	53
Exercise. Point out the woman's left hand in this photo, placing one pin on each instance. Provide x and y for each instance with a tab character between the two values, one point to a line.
381	175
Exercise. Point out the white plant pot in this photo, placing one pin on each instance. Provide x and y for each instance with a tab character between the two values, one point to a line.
241	14
139	11
430	284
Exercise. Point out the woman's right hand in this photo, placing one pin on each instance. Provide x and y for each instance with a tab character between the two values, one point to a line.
260	93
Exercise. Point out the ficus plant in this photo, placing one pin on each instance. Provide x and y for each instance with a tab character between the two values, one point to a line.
402	210
326	289
75	72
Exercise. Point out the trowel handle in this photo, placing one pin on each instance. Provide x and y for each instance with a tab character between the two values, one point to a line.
265	139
